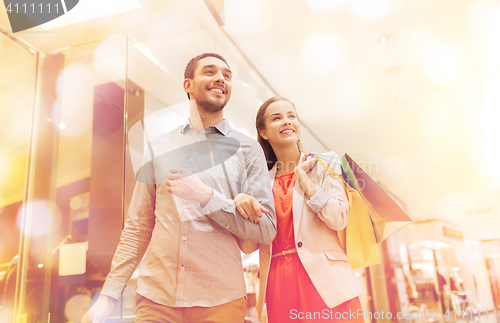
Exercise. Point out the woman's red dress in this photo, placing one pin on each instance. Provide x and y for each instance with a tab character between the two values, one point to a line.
291	295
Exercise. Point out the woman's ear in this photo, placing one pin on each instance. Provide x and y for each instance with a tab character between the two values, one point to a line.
263	134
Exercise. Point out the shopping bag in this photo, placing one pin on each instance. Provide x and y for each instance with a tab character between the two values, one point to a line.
386	214
358	237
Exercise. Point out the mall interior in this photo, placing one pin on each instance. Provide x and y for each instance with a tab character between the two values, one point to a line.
409	89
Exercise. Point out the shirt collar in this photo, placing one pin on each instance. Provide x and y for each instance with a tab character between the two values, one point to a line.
223	127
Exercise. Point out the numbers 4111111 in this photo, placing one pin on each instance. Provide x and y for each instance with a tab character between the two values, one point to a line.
32	8
462	314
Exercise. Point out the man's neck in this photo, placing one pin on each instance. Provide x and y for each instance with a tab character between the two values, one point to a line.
201	119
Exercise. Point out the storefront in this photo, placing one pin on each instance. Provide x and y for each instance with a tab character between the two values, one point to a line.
444	270
83	103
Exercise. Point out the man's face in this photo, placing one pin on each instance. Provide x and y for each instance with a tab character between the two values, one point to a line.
211	84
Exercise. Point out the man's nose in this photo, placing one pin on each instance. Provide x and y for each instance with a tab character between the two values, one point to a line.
219	76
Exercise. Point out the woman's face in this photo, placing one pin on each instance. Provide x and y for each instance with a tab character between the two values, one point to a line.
282	125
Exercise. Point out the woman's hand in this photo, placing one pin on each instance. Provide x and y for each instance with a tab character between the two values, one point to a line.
308	186
249	207
186	185
309	154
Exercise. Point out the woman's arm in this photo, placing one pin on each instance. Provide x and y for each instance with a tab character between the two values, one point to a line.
326	196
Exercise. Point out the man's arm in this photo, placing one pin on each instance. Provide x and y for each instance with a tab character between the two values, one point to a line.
133	244
256	183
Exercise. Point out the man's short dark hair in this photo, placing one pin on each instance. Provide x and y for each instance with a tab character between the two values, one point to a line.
193	63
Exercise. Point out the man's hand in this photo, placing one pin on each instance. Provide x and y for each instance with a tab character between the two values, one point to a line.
303	179
249	207
186	185
100	310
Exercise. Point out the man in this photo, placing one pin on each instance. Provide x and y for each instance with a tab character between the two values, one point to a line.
186	218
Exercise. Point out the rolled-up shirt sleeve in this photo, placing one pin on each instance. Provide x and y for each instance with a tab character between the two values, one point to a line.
318	200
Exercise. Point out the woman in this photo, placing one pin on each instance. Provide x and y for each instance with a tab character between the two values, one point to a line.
304	275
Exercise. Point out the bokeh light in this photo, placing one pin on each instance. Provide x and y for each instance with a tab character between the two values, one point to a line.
481	15
322	53
325	5
45	218
76	307
75	203
247	17
440	64
347	96
436	120
74	88
17	119
371	9
491	106
478	161
394	171
491	129
412	42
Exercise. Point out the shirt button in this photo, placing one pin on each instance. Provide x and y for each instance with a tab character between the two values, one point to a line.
182	267
184	238
227	227
197	139
208	212
191	160
299	244
186	210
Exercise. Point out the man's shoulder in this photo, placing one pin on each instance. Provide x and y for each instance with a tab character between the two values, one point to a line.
244	139
167	136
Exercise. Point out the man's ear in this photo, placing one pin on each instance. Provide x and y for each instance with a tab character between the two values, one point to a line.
263	134
188	88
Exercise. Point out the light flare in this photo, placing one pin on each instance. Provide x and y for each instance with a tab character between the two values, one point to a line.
440	64
44	218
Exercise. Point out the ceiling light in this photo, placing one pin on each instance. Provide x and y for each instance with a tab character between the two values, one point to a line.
245	84
62	125
91	9
385	39
393	70
472	242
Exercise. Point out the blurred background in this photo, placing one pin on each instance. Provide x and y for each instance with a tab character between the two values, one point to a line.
409	89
